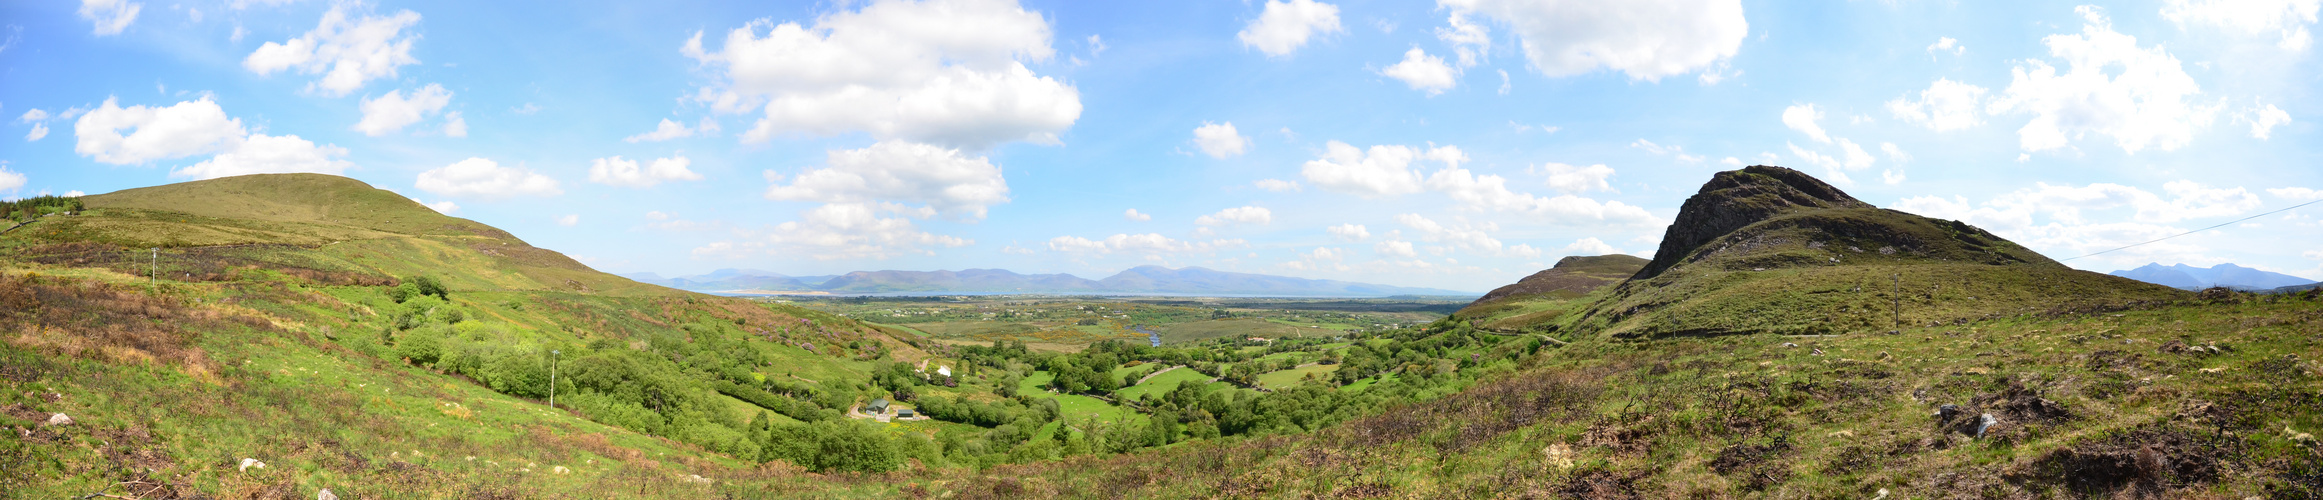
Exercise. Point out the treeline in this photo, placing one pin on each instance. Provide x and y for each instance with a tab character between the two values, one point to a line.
27	209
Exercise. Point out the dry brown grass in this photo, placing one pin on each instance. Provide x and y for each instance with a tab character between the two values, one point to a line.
92	320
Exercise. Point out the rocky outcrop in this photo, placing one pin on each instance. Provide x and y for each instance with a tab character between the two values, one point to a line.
1737	198
1571	277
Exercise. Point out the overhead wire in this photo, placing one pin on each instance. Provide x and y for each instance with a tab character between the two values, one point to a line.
2224	224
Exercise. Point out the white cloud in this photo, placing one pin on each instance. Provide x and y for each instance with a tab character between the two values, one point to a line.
569	220
1945	106
110	16
454	125
1471	41
2296	193
1149	243
1285	26
1423	72
1590	246
1894	153
1947	44
1276	185
392	112
264	154
1350	232
185	129
1833	171
1731	162
1855	157
482	178
1220	140
1891	176
445	207
2264	120
941	179
345	52
39	130
1802	117
1466	237
1396	248
948	72
75	193
1646	39
1237	215
2146	104
1490	192
1136	216
33	115
1677	151
837	231
616	171
1382	171
2285	20
10	181
1572	179
668	129
2068	204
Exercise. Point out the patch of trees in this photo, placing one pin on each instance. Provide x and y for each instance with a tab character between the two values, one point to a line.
32	208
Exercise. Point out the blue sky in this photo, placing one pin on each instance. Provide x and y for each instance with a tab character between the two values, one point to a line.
1460	144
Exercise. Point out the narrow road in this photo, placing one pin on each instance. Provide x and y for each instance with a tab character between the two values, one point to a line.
1156	373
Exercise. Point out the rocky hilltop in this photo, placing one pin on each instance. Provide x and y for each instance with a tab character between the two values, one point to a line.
1571	277
1773	250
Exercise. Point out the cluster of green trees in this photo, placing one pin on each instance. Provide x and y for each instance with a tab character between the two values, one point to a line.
31	208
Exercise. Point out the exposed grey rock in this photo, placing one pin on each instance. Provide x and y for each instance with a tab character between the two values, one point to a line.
326	495
1983	422
60	419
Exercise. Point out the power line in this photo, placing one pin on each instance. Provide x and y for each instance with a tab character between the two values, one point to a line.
2224	224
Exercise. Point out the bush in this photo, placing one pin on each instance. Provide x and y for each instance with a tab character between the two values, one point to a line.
423	346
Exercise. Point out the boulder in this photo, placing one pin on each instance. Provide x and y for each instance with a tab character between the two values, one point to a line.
60	419
248	463
326	495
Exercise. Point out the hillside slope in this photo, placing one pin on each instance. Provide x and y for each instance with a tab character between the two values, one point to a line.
1770	249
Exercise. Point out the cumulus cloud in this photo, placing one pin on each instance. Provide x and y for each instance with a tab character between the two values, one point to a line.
2263	120
1423	72
1572	179
668	129
948	72
1149	243
157	133
454	125
836	231
110	16
1802	117
941	180
1678	152
2284	20
39	130
2090	218
392	112
1220	140
1285	26
486	179
1490	192
1947	44
1471	238
264	154
1237	215
1645	39
10	181
569	220
1854	157
1350	232
346	52
1276	185
1135	216
1396	248
616	171
1590	246
1946	105
2147	103
1381	171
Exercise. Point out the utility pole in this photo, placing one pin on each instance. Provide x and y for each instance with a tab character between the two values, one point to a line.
153	272
552	377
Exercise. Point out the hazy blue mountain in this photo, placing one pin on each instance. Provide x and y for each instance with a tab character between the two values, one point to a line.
1198	280
970	280
1142	279
2226	275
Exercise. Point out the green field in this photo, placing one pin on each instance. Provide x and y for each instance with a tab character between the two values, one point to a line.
1284	379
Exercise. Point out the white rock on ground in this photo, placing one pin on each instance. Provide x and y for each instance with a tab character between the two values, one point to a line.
60	419
326	495
697	478
247	463
561	470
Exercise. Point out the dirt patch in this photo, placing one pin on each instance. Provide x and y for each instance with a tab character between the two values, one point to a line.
2146	462
1757	466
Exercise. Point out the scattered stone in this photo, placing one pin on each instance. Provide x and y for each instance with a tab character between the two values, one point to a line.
1882	494
1885	355
1818	352
2213	370
326	495
2298	436
247	463
561	470
59	419
1983	422
1945	414
697	479
1788	344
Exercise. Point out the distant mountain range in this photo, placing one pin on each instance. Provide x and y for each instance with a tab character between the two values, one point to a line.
1141	279
2187	277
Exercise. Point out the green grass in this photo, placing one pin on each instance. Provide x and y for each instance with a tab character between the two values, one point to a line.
1162	383
1284	379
